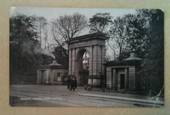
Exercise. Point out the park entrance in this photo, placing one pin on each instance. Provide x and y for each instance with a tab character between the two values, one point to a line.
87	58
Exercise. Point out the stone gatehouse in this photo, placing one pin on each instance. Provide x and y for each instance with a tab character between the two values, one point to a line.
121	75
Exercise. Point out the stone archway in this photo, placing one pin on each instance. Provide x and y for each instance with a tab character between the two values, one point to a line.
94	44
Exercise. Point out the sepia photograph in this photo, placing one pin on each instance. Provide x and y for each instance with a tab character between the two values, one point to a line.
86	57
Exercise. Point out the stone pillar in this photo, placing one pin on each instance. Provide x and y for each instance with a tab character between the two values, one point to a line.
76	64
131	78
51	76
98	61
96	67
47	77
90	49
73	61
108	77
96	81
126	79
118	80
95	60
69	62
101	60
38	76
113	78
103	53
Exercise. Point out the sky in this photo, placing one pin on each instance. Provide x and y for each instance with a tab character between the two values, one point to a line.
53	13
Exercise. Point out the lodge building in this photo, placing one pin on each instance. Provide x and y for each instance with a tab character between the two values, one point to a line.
53	73
121	75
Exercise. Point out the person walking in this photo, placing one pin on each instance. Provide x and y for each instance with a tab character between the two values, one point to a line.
69	83
74	83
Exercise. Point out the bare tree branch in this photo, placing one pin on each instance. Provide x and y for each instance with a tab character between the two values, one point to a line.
67	27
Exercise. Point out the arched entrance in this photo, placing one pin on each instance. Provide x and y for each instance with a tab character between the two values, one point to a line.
83	66
92	47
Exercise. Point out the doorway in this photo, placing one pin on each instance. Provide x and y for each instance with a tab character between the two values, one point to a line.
122	81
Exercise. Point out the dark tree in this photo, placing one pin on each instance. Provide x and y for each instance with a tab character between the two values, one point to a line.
22	38
143	33
137	35
99	22
64	29
130	34
25	50
22	28
61	56
118	36
153	64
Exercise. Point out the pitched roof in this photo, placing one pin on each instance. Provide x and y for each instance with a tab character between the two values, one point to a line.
53	65
131	60
133	57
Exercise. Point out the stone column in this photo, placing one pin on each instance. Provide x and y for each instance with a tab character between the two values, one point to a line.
73	61
71	56
108	77
76	63
96	75
113	78
126	78
132	78
98	61
101	60
47	77
90	49
95	60
103	53
38	76
118	79
51	75
69	62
